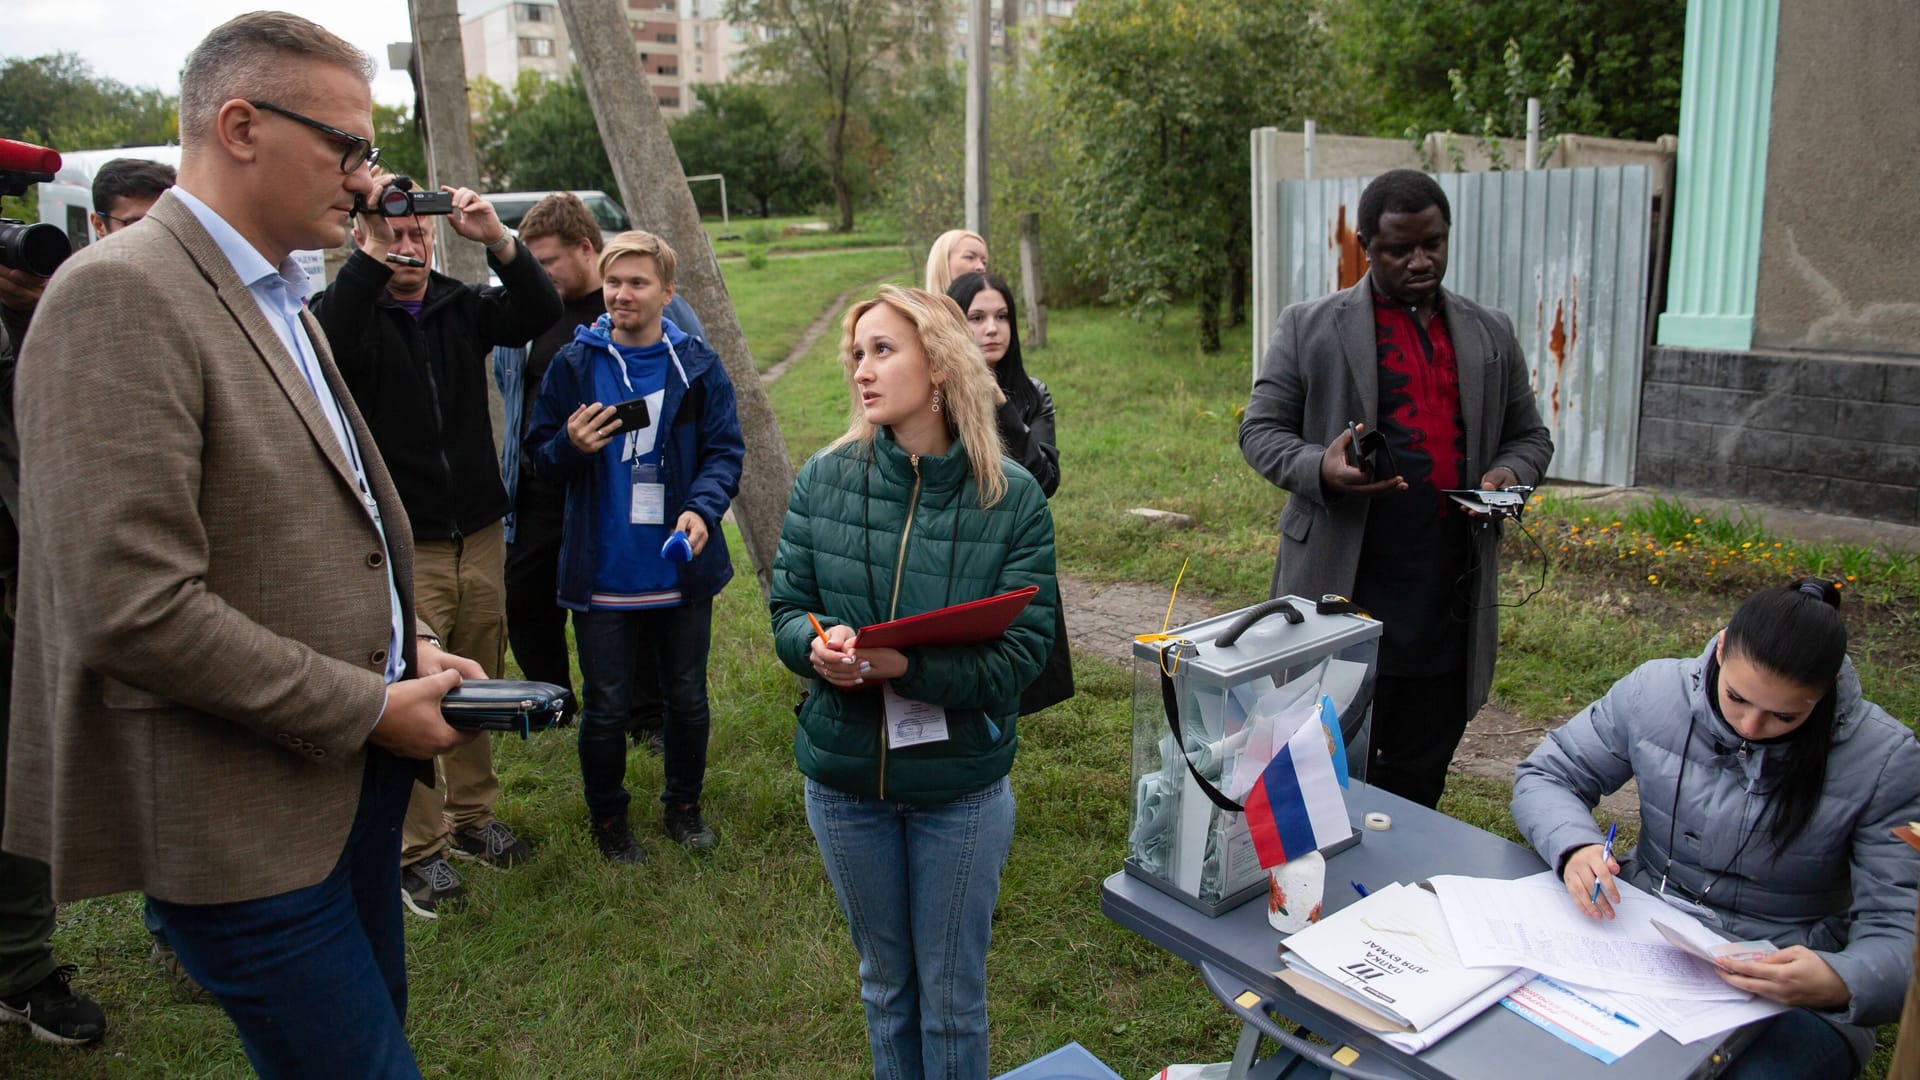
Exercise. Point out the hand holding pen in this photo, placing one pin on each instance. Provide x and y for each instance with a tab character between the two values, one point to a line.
1589	872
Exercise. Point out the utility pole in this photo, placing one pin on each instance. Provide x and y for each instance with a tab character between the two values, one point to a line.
979	82
443	101
654	189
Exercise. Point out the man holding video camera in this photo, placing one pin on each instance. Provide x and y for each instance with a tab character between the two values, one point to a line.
413	345
1438	389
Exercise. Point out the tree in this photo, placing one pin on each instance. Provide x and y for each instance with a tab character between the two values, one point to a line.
57	100
831	54
1157	97
1625	66
397	135
538	136
738	133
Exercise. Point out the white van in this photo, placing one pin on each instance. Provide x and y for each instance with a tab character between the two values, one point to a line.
66	201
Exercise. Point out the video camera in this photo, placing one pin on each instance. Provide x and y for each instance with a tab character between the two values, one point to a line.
38	249
400	199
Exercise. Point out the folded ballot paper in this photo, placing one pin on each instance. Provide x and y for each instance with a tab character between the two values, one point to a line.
1388	963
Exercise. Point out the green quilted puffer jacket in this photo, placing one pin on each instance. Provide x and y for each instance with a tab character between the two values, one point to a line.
874	533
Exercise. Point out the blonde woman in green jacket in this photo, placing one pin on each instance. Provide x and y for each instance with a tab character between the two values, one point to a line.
913	509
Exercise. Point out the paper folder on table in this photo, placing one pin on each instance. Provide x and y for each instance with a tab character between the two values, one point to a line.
1391	958
962	624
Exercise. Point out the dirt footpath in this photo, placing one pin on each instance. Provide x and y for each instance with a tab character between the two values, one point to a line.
1102	619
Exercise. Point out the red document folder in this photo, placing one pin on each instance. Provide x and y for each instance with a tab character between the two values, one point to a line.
962	624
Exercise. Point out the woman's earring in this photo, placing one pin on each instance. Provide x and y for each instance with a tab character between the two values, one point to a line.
936	399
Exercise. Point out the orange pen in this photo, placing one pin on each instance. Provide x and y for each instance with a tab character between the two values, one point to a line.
818	629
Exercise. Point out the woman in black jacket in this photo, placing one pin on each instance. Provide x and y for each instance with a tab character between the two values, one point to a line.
1025	416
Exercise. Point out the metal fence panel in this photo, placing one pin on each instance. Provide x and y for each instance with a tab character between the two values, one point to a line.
1564	252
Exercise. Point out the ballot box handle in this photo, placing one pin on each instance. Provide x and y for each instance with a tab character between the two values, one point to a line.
1251	1007
1254	614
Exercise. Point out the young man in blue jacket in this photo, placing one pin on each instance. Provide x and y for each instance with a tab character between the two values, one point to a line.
642	551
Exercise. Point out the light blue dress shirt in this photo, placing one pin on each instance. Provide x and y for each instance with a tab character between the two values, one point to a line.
281	293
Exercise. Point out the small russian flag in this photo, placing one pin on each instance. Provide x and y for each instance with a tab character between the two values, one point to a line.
1296	806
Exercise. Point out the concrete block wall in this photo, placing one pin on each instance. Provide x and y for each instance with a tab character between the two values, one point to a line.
1835	434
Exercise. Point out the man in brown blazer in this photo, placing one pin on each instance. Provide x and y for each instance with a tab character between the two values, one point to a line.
216	625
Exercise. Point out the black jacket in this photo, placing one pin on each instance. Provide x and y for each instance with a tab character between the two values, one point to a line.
422	385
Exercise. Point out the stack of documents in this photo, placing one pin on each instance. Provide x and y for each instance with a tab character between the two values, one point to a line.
1613	982
1389	964
1413	963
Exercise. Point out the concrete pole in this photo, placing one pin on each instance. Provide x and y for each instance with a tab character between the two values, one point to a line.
979	80
654	189
443	95
1533	134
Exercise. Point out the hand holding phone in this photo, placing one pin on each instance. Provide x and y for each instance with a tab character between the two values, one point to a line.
632	414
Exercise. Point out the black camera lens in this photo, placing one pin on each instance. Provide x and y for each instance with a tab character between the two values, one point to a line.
38	249
395	201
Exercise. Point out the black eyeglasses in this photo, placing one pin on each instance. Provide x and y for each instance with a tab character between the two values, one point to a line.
359	151
123	222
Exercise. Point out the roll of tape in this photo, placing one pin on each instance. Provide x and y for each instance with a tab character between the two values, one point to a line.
1379	822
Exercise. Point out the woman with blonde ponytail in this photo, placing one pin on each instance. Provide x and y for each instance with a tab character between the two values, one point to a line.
909	511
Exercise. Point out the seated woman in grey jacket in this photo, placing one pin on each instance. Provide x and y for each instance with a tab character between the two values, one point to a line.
1768	787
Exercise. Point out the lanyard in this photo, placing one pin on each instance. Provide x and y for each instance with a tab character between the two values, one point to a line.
620	369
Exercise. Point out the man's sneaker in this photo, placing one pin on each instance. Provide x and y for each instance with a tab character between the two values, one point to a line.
54	1012
432	886
168	962
652	739
687	828
493	844
616	841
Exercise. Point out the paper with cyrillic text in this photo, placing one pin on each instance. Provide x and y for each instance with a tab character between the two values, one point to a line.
910	722
1532	923
1391	953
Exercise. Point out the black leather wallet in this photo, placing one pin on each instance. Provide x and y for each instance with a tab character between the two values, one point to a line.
507	705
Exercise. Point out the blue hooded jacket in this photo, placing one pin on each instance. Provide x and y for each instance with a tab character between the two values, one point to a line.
701	451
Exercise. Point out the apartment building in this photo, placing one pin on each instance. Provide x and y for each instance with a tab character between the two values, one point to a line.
501	39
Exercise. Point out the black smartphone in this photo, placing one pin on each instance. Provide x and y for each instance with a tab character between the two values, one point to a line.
1370	449
632	414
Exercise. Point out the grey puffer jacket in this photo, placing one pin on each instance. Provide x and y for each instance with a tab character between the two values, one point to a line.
1843	888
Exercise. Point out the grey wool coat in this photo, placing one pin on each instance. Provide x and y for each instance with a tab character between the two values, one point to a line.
1322	370
1844	887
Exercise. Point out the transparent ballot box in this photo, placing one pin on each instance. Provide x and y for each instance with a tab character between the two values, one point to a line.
1271	660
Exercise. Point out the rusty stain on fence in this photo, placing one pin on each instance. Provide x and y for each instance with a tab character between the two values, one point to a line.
1352	258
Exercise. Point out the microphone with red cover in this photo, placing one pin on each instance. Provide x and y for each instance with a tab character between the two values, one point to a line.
37	249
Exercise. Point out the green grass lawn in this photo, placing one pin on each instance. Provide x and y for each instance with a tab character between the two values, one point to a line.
744	235
779	300
739	964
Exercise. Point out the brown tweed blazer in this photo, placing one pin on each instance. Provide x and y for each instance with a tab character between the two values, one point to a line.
204	617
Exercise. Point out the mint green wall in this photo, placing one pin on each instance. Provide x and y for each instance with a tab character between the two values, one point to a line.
1726	105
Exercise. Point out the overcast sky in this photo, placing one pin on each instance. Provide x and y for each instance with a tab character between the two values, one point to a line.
144	43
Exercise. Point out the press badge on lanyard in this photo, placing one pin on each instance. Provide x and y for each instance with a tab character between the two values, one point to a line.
649	506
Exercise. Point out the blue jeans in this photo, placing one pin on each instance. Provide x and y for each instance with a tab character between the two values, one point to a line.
1795	1045
315	980
917	885
608	641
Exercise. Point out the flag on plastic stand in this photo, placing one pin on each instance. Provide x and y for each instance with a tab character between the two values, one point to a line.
1296	805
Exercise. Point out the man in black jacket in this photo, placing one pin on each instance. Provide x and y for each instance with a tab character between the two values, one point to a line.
413	346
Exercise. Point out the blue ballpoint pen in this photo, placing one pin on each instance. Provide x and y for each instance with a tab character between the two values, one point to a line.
1606	856
1359	888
